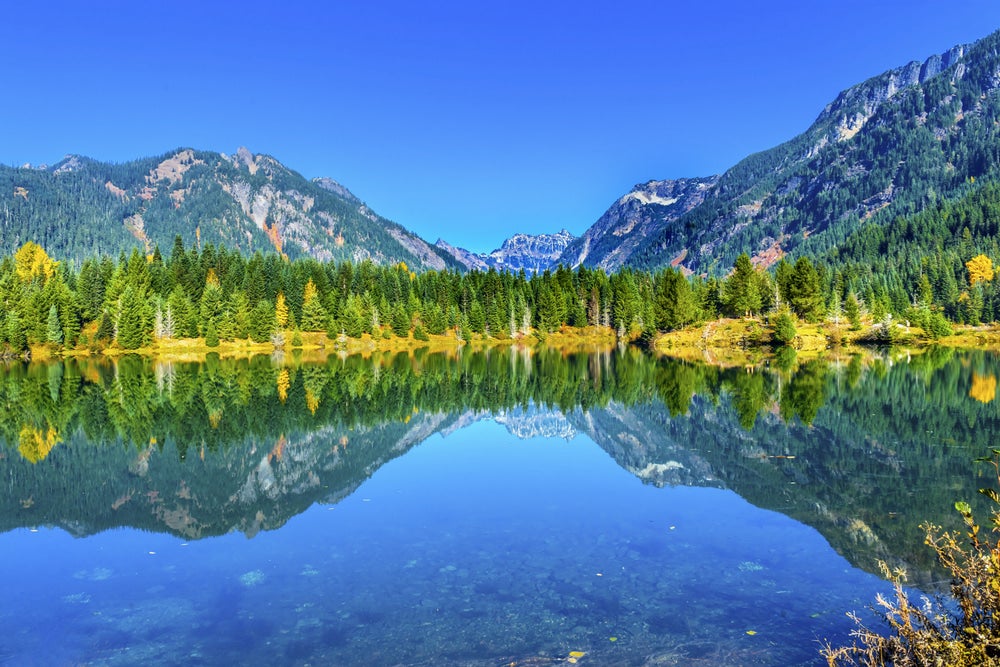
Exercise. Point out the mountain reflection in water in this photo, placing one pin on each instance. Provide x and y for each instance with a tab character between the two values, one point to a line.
862	449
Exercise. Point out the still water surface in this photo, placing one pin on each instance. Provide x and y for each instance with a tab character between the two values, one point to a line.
292	525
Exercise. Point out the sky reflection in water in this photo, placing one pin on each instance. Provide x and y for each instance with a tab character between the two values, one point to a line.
475	548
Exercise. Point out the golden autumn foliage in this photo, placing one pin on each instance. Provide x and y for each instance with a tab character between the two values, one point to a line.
283	384
312	402
980	269
310	292
211	278
281	311
274	235
984	388
31	261
35	444
401	265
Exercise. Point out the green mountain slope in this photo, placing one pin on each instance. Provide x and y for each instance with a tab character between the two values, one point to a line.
81	207
889	146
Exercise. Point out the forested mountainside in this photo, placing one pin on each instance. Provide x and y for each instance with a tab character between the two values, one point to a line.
890	146
83	208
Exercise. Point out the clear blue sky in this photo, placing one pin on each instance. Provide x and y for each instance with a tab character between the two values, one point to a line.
464	120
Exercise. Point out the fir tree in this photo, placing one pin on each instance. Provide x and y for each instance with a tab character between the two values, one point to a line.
53	329
262	323
132	328
741	289
211	335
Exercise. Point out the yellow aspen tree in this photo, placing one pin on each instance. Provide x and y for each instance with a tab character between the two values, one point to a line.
31	261
984	387
35	444
284	382
310	292
980	269
281	311
211	279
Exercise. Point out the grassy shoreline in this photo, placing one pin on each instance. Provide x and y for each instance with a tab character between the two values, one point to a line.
743	342
722	342
317	346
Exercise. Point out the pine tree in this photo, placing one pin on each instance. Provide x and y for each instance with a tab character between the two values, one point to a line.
400	321
673	301
353	318
803	291
238	307
212	305
211	335
740	291
132	329
262	323
314	315
17	336
105	328
477	317
784	328
53	329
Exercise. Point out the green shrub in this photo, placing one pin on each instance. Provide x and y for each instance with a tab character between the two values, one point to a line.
211	335
937	326
784	328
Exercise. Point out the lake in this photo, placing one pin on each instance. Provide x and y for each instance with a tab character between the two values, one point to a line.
502	507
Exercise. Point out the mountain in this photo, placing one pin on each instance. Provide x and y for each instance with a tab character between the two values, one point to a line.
889	146
532	253
81	207
470	260
611	241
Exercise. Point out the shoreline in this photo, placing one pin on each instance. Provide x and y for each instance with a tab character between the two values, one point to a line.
722	342
316	345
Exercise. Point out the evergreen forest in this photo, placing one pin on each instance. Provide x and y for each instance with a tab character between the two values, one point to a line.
931	269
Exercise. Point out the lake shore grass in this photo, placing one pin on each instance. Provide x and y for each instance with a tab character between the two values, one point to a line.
317	346
749	341
722	342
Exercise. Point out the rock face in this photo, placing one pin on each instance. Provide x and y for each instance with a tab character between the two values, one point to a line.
531	253
246	201
466	258
648	209
336	188
855	106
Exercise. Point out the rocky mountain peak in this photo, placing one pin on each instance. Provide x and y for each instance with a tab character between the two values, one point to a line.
878	147
528	252
625	227
336	188
855	106
466	258
68	164
245	201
